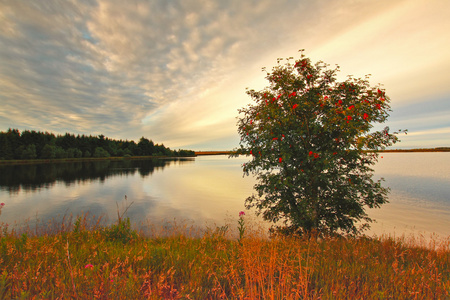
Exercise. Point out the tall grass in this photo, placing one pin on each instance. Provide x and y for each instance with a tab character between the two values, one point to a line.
87	261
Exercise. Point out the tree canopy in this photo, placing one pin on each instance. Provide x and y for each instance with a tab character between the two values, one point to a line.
312	144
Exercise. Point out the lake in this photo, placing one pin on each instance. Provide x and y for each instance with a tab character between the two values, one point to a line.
208	191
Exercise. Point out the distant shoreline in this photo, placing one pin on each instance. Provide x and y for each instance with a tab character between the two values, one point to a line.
64	160
197	153
439	149
200	153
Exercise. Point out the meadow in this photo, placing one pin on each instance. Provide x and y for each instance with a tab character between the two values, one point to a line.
85	260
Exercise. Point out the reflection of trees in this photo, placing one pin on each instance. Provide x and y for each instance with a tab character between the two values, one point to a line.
36	176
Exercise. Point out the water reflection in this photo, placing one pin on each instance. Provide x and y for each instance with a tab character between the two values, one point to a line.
32	177
208	190
419	196
42	192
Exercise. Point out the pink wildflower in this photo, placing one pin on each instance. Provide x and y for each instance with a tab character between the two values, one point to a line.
241	213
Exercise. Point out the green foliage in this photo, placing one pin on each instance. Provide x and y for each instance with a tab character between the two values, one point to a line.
60	152
121	232
43	145
100	152
48	152
308	135
29	152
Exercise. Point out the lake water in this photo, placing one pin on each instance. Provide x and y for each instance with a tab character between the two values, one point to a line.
208	191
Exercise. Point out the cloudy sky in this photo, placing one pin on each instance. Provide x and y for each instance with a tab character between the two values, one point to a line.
175	71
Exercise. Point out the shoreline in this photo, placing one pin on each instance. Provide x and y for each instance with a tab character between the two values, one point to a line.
439	149
63	160
197	153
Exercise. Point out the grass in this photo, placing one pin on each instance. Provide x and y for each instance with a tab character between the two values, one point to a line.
84	260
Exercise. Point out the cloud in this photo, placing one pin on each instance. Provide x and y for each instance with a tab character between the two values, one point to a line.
176	71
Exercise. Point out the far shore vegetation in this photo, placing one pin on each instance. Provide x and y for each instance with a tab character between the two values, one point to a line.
35	145
86	260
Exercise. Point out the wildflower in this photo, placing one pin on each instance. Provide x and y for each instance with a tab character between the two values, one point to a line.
2	204
365	116
349	117
241	213
310	153
275	138
379	106
88	266
351	107
294	106
280	159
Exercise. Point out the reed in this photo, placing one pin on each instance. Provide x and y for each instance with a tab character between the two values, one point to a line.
87	261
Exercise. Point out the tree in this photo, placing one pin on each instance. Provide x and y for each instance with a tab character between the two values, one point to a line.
6	151
146	147
48	152
60	152
100	152
312	149
29	152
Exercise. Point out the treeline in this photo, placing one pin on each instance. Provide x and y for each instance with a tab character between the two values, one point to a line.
43	145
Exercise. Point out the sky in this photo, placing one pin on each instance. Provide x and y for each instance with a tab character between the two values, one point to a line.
176	72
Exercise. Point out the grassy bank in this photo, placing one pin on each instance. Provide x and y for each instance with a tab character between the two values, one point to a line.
117	262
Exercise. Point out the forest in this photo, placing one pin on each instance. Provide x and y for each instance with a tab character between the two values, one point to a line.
15	145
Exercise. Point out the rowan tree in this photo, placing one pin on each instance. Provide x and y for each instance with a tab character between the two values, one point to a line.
312	144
